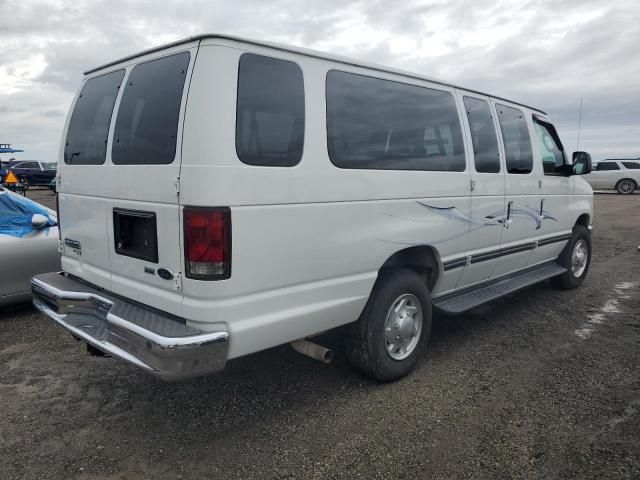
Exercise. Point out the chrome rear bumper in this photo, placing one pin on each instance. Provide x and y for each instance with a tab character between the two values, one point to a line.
152	340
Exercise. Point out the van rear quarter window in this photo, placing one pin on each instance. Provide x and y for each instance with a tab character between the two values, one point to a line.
86	142
517	142
270	111
147	124
381	124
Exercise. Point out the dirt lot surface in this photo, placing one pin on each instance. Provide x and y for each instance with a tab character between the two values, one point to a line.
541	384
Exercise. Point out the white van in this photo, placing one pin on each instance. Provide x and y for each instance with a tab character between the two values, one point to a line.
220	196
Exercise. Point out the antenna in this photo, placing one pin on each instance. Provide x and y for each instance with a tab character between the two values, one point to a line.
579	125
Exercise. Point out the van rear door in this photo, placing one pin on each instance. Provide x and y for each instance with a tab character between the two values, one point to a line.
125	211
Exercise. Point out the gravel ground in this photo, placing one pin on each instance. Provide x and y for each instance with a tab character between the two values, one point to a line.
541	384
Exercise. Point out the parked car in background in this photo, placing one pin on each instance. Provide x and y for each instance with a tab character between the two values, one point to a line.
34	173
615	174
28	245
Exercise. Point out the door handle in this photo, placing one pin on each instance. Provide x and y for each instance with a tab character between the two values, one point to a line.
539	183
508	221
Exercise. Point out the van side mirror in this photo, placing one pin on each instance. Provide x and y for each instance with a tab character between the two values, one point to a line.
38	221
581	163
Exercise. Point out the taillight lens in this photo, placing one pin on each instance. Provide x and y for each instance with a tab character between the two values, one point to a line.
207	243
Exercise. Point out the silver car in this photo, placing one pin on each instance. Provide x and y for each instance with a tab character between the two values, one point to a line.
620	175
28	245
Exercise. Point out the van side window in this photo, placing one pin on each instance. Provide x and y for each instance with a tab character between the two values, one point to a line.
517	143
147	124
607	166
86	142
483	135
269	112
632	165
380	124
551	149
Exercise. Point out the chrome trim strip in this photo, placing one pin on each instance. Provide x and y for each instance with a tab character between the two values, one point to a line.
502	252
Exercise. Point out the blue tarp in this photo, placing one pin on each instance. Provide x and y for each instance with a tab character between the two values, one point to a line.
16	212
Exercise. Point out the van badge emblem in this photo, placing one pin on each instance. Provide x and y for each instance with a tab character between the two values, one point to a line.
165	274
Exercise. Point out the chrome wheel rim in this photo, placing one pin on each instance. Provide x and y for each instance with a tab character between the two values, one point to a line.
625	186
579	258
403	326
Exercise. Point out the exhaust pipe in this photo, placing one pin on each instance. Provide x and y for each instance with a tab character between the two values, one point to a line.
313	350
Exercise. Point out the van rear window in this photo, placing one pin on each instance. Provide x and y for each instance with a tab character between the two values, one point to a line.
381	124
147	123
86	142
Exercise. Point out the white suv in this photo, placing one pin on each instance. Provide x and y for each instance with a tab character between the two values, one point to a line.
621	175
221	196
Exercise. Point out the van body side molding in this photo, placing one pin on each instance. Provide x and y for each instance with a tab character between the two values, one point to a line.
502	252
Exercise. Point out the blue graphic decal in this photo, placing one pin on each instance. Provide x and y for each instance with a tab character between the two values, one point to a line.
497	218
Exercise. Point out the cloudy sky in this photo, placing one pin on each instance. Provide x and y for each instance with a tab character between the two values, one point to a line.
547	53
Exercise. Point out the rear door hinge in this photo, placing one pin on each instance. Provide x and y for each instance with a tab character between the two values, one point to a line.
176	185
177	278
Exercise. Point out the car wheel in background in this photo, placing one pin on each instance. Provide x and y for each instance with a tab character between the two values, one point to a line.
391	334
626	186
24	180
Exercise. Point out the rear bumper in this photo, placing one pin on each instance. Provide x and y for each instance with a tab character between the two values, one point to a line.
152	340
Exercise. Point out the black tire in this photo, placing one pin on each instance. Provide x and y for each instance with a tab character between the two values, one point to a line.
626	186
568	280
366	343
25	182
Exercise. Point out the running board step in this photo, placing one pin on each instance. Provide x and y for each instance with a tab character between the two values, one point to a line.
472	297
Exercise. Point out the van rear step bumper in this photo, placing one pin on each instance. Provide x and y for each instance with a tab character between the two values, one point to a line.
152	340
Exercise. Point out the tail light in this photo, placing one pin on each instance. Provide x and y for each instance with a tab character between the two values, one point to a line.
207	243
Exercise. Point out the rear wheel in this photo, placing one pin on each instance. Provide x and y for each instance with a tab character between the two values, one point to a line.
626	186
576	258
391	334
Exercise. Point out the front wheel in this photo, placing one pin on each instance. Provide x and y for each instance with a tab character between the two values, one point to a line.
626	186
393	330
576	258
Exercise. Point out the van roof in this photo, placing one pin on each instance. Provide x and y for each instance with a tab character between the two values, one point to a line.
302	51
